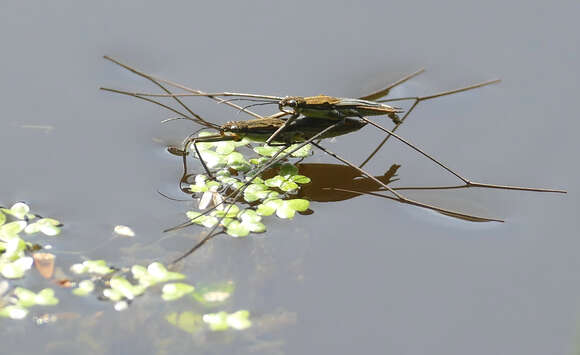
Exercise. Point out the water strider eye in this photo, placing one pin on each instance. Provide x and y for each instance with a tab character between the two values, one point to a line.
292	103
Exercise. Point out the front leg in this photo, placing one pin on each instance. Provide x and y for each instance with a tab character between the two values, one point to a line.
281	129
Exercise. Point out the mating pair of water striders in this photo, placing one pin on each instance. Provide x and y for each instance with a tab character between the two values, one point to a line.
308	120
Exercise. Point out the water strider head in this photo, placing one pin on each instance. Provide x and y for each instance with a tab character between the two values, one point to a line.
291	104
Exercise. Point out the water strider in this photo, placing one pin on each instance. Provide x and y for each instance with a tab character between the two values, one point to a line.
307	129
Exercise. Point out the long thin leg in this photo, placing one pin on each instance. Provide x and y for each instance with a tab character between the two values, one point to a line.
158	84
385	91
402	198
464	179
279	130
416	101
157	80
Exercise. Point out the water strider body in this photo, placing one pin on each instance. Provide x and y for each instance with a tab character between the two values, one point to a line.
316	118
328	107
302	129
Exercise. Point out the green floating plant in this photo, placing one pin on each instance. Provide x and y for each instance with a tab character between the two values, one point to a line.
122	288
270	151
84	288
187	321
174	291
27	298
98	267
222	320
283	208
237	223
154	273
214	294
47	226
13	312
19	210
288	179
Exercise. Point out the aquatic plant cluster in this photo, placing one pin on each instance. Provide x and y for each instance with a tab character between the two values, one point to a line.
121	286
261	197
17	257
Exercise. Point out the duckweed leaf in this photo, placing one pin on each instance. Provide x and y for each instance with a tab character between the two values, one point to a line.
216	321
155	273
98	267
225	147
13	312
197	218
14	249
266	150
213	159
11	230
173	291
276	181
222	321
237	229
84	288
17	268
288	170
288	186
18	210
299	204
227	211
239	320
302	152
113	295
265	210
214	294
125	288
300	179
186	321
27	298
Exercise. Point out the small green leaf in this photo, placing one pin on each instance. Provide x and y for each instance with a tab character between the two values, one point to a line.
161	274
285	211
186	321
13	312
11	230
84	288
173	291
255	227
299	204
288	186
265	210
198	188
266	151
249	215
225	147
227	211
239	320
46	298
113	295
237	229
27	298
302	152
300	179
2	218
276	181
16	269
125	288
19	210
288	170
216	321
214	294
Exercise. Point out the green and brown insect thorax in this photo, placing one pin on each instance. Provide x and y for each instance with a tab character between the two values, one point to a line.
291	104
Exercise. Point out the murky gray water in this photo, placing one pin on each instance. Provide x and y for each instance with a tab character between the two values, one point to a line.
361	275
